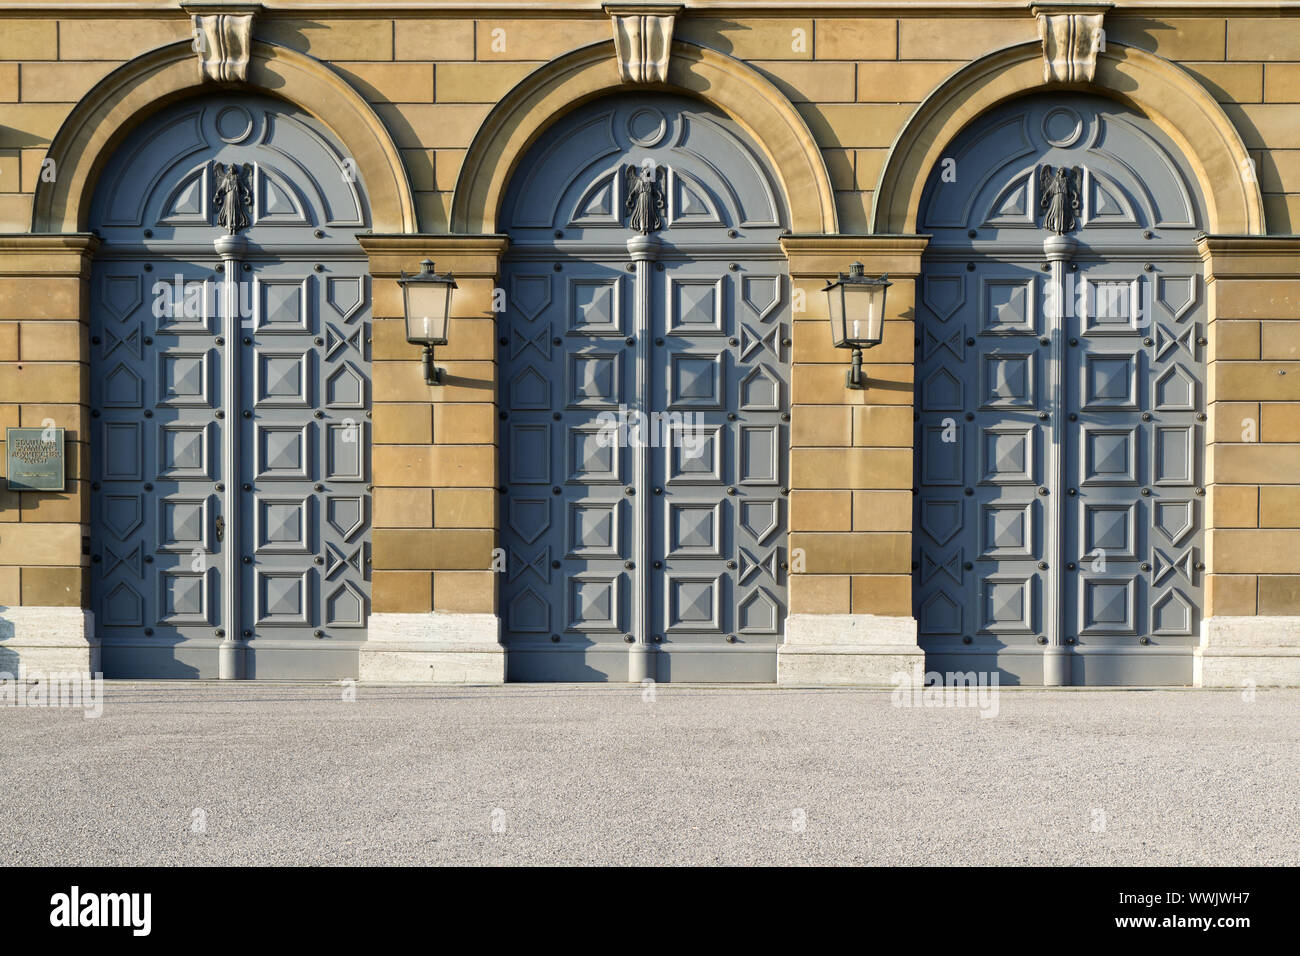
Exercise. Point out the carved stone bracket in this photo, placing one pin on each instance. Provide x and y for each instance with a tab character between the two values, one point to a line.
643	39
223	38
1072	35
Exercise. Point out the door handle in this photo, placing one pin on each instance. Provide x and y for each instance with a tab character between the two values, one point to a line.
221	528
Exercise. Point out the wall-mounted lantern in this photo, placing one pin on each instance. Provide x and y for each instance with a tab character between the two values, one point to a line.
857	310
426	297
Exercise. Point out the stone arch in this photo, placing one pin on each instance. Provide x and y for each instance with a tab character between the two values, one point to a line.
1171	97
128	95
730	85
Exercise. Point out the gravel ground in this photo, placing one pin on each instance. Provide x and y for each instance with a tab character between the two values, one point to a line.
539	774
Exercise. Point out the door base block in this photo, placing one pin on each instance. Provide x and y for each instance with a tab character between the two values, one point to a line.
437	648
1248	651
35	641
850	649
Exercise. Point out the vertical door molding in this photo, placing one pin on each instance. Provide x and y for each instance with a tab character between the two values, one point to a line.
851	477
434	615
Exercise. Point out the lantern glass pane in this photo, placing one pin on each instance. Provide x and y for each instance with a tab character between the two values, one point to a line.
863	308
426	312
835	303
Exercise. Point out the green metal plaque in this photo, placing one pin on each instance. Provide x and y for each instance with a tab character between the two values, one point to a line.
35	459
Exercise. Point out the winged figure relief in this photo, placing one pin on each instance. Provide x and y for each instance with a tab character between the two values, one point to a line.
1059	196
233	196
645	196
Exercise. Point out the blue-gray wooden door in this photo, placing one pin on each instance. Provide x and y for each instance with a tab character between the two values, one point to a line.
1061	401
230	450
667	542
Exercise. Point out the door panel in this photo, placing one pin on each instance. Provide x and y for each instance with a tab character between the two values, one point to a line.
1060	402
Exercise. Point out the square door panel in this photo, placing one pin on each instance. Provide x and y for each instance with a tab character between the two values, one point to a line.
695	380
185	379
1008	380
183	451
283	597
1007	604
1108	529
595	380
183	524
1109	455
1112	307
694	454
283	452
1008	306
1007	530
693	603
184	596
185	307
694	529
592	602
1107	605
1008	454
282	305
281	524
1110	381
594	529
595	306
696	306
282	378
593	457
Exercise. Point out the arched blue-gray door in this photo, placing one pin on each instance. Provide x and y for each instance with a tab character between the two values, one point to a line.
230	382
644	378
1061	400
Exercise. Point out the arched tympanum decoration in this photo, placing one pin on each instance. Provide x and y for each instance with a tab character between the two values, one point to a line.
1171	97
130	93
736	89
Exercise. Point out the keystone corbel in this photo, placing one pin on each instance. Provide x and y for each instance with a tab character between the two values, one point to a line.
643	39
1072	35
